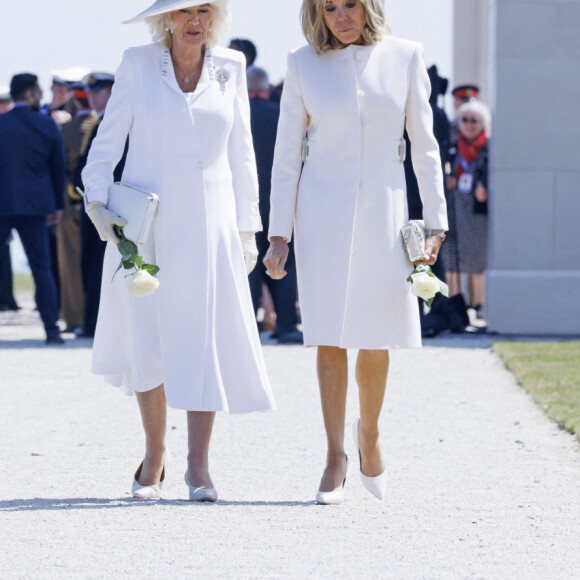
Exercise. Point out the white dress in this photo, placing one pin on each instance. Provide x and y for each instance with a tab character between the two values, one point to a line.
197	334
348	202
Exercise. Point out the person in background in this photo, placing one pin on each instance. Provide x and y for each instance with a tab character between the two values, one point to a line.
98	86
441	128
461	94
7	301
247	47
60	108
6	102
264	121
32	174
69	228
466	250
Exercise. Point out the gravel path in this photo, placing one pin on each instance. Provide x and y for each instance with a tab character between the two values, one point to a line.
482	484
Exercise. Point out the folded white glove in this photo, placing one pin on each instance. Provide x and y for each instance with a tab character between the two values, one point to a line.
104	221
250	250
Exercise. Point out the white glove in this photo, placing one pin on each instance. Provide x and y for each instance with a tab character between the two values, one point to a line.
250	250
104	221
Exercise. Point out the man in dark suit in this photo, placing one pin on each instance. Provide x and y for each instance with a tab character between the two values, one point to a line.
264	120
32	173
99	86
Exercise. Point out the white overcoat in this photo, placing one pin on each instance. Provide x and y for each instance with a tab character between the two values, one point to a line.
347	202
197	334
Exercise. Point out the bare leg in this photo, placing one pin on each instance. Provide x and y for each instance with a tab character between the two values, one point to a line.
154	416
372	368
199	428
455	283
478	289
332	366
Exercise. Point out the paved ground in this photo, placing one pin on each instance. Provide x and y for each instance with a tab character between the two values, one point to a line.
482	485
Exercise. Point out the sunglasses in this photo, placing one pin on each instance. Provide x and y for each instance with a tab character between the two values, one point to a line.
472	120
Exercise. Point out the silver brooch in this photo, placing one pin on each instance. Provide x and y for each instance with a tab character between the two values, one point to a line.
222	76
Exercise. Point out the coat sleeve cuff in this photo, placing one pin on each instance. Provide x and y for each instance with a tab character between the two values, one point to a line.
249	224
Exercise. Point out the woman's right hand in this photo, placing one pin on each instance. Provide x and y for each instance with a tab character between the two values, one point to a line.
104	220
275	258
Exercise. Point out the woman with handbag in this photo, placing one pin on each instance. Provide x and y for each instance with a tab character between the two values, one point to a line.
192	345
466	250
343	191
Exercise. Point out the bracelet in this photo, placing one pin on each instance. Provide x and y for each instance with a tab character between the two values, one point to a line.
438	233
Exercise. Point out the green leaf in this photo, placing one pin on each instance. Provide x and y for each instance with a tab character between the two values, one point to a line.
127	248
444	289
151	268
429	302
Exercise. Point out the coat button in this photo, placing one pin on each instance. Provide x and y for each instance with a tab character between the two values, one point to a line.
361	94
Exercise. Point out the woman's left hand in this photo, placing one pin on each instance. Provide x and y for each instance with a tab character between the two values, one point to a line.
432	247
481	193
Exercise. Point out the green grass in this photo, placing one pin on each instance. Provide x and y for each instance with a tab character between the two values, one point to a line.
550	372
23	283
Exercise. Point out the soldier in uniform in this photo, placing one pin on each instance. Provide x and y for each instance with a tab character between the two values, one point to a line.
69	229
98	86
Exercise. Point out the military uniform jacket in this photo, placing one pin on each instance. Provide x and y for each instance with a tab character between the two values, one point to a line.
347	203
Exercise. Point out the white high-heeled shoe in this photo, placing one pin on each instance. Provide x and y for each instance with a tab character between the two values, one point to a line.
147	491
200	493
376	485
335	497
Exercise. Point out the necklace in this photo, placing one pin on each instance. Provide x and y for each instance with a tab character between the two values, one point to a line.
196	72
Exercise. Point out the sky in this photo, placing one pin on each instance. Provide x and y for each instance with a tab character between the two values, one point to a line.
40	37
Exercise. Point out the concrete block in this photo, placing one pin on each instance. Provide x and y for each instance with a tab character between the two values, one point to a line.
567	221
522	220
534	302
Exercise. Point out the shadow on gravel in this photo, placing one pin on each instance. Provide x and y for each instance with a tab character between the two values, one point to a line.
90	503
72	344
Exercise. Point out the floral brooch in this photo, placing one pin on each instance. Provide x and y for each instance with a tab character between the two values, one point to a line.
222	76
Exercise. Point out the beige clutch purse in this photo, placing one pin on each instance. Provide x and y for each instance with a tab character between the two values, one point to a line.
414	239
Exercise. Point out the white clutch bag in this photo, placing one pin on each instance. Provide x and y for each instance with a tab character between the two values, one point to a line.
414	239
137	206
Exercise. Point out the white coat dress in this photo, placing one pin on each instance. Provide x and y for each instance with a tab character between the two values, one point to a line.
197	334
348	202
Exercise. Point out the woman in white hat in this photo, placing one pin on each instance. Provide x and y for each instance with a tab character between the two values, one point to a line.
182	102
343	193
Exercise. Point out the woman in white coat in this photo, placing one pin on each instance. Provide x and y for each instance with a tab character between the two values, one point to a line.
192	345
343	192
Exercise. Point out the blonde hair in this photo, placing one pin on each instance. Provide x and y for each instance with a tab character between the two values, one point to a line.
160	26
321	38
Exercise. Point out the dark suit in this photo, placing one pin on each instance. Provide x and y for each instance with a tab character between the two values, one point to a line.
264	120
92	248
32	175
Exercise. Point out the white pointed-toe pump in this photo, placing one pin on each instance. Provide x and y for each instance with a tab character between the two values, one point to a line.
376	485
335	497
147	491
200	493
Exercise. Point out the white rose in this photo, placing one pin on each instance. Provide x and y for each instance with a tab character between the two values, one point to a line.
424	286
143	284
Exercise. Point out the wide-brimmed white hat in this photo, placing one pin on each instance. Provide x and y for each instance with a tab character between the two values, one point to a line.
164	6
